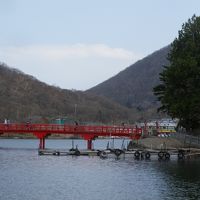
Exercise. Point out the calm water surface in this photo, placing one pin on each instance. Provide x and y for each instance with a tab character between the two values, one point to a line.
26	176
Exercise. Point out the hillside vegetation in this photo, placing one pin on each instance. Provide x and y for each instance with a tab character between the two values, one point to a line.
23	97
133	87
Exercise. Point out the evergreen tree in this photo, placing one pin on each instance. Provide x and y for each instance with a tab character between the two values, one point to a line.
179	90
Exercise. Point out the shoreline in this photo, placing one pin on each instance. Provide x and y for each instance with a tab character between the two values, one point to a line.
160	143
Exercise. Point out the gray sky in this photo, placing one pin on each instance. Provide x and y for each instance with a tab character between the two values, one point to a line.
76	44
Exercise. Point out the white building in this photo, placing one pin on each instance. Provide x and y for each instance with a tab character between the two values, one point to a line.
162	126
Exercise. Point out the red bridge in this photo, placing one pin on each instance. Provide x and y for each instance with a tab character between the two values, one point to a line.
89	133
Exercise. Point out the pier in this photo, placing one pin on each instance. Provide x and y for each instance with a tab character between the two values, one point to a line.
139	154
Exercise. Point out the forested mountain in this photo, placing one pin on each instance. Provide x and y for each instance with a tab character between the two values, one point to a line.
133	87
23	97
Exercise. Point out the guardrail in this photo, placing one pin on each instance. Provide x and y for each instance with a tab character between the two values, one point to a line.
187	138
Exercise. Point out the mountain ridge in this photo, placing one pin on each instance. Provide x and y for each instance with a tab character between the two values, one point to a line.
133	86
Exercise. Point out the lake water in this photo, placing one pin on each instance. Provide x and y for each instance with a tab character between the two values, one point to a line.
26	176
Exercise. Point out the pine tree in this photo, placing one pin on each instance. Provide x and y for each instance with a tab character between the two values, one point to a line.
179	90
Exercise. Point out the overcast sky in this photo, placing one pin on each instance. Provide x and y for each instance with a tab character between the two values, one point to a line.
76	44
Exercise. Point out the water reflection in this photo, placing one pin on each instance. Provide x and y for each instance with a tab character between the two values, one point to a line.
182	178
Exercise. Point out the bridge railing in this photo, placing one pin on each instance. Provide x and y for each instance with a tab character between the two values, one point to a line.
70	129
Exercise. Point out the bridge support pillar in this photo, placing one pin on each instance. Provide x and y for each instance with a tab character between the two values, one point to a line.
41	137
89	144
89	139
42	143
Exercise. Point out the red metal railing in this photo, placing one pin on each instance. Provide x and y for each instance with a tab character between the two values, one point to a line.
87	132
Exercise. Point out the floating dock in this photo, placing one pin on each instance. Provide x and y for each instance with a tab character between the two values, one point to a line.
180	154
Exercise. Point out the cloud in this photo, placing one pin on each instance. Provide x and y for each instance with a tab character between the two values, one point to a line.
78	66
70	51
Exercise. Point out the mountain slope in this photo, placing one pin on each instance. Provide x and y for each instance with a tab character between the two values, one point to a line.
23	97
133	86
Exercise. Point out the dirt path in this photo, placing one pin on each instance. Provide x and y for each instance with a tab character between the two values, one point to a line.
158	143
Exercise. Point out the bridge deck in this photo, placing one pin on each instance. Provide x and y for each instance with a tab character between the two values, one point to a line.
70	129
87	132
